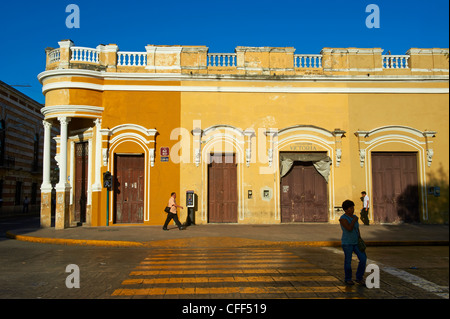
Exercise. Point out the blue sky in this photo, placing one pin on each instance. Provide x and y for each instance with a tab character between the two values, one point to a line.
28	27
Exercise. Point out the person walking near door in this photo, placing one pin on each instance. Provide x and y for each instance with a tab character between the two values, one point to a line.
365	209
172	214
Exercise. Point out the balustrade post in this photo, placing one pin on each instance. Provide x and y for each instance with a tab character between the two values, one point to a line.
433	60
194	59
107	56
65	53
48	58
151	53
163	59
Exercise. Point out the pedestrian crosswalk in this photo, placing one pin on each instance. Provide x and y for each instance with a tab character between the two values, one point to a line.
228	273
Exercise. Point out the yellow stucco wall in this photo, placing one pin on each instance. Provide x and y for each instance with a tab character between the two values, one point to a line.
377	114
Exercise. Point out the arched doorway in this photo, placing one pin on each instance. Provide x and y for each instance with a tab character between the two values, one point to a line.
303	189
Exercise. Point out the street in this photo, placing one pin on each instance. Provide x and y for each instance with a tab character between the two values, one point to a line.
30	270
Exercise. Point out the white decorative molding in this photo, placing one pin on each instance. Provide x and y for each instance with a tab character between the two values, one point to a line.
241	89
390	128
131	127
248	151
178	76
56	110
338	156
272	133
430	154
152	157
428	136
362	157
208	130
401	132
197	133
307	128
105	156
197	156
362	146
270	156
338	134
248	156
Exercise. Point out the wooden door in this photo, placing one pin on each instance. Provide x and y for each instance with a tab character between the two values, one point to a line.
129	189
395	187
303	195
222	189
81	181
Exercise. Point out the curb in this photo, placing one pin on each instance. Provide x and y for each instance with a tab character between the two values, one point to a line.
247	243
75	242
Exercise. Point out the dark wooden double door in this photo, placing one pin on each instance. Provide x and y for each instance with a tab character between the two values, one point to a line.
81	181
303	195
129	185
395	187
222	189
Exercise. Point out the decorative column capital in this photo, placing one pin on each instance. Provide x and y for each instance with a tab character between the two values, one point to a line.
63	120
47	124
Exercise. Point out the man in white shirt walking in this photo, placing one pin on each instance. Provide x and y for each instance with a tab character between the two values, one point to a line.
365	209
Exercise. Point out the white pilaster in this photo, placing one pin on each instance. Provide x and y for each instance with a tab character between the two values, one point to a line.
97	187
46	186
62	184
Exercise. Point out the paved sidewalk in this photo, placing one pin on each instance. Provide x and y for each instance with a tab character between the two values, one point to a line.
229	235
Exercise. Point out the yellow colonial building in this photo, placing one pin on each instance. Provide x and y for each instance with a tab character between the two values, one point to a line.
261	136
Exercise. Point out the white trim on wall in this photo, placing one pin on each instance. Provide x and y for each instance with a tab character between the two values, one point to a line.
240	89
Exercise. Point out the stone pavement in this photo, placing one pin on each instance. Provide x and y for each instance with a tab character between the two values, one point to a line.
230	235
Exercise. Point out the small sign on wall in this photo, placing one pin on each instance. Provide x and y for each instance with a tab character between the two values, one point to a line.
164	152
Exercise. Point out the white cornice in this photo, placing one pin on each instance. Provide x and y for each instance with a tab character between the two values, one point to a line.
235	77
241	89
48	111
